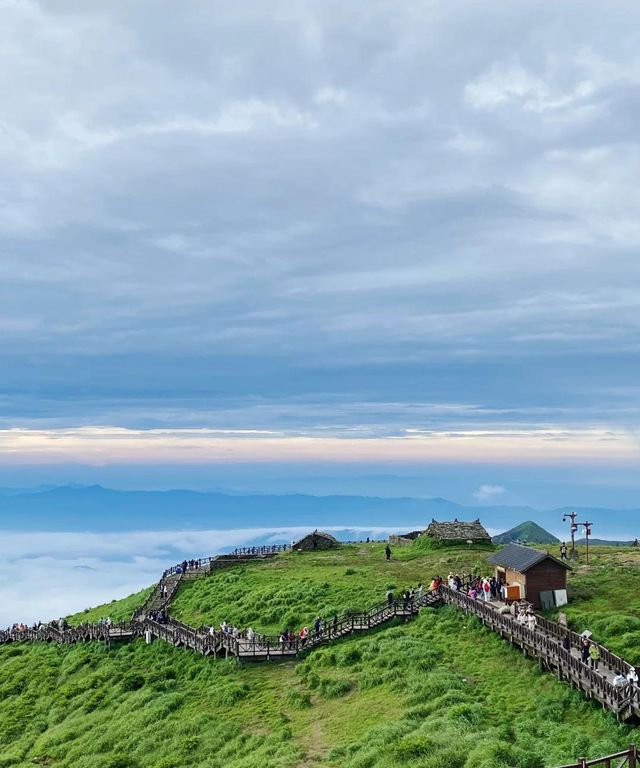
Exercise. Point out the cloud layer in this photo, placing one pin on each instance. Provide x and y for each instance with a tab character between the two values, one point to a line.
317	216
45	575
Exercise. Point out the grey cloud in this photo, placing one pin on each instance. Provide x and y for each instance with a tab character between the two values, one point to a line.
444	194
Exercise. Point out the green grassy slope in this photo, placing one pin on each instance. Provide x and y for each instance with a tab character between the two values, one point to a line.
293	589
605	598
440	692
117	610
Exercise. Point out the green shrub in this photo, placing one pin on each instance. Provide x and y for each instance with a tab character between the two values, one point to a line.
298	699
133	682
334	687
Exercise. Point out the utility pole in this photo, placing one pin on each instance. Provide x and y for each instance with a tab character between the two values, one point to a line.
587	533
574	527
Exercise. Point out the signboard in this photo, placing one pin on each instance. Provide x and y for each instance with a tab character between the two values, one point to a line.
561	598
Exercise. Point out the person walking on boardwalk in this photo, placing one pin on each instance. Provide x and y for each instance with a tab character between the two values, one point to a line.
317	625
304	634
620	681
389	598
632	677
566	642
584	650
387	552
594	655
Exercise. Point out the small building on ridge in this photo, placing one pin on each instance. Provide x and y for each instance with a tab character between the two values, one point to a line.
542	578
458	532
316	540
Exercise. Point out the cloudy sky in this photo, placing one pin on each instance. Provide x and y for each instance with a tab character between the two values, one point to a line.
319	232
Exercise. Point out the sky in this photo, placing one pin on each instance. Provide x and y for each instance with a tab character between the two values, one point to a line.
320	247
330	238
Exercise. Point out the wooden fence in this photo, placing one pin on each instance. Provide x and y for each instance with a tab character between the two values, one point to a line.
627	759
545	643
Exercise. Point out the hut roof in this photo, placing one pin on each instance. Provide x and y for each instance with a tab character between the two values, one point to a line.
458	530
520	558
318	535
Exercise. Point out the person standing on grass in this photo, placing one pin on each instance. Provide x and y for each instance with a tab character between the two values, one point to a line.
563	551
594	655
387	552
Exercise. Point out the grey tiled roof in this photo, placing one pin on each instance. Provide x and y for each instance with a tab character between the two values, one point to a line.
521	559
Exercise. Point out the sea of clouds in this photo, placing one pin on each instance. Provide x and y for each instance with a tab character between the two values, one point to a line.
45	575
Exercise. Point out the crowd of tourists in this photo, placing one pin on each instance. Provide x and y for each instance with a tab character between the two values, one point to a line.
183	567
37	626
491	589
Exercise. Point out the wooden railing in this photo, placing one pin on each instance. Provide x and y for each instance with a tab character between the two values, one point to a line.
239	552
157	600
83	633
627	759
546	646
272	645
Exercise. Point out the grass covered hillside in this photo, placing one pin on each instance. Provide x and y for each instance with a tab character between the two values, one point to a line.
439	692
605	598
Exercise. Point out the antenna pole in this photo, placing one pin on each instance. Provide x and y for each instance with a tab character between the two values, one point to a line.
574	527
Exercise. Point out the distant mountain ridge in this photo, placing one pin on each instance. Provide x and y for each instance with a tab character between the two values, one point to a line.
529	532
97	509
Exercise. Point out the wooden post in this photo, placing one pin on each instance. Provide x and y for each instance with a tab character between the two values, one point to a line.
582	762
633	756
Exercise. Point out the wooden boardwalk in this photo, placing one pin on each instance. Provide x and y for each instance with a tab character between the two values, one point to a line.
626	759
543	643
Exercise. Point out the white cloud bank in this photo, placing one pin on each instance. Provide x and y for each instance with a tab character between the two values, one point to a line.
488	492
47	575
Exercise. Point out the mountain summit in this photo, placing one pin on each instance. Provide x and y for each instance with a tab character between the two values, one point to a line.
530	532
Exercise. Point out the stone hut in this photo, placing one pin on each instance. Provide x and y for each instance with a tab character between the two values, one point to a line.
316	540
458	532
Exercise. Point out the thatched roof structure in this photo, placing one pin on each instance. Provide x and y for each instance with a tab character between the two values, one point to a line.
316	540
458	530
